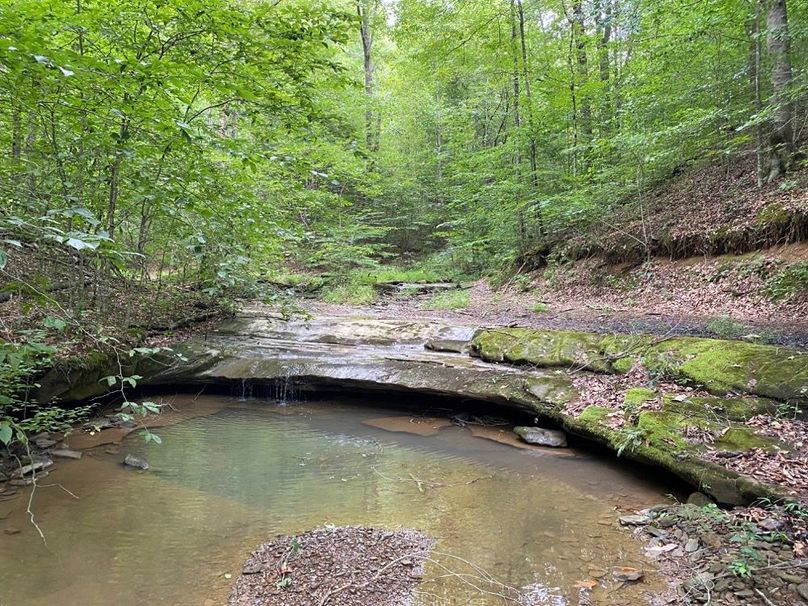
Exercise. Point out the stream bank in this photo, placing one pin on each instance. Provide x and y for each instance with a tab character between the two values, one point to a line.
725	416
540	521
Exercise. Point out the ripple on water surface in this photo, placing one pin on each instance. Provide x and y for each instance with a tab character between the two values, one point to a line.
221	484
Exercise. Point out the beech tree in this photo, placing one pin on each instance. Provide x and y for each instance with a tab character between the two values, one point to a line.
778	41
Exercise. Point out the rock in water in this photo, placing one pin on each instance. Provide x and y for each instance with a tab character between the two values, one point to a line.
36	467
626	574
136	462
45	443
66	453
541	436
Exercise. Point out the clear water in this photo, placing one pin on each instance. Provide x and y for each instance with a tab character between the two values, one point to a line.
222	484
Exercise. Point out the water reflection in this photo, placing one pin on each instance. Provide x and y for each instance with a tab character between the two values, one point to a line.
220	485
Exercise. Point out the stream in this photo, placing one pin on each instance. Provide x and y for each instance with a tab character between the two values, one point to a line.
238	472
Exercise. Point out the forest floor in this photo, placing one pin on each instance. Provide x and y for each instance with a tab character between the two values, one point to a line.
723	297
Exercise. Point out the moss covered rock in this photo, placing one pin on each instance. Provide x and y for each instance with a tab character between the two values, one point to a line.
743	438
733	366
565	348
638	395
719	366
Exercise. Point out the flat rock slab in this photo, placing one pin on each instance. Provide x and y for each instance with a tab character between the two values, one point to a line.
542	437
347	566
449	345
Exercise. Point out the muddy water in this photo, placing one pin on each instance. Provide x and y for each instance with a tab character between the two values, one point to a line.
223	483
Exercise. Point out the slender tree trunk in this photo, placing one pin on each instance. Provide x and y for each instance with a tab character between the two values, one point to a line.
16	133
364	9
115	175
28	152
517	119
778	43
534	180
617	69
603	17
582	66
754	81
439	154
574	102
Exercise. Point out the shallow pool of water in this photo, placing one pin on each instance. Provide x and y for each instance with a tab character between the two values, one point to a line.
221	484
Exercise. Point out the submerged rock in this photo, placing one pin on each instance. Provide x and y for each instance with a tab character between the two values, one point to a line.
626	574
136	462
542	437
66	453
45	442
33	468
27	481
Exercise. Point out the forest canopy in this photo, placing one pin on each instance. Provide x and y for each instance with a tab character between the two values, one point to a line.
219	139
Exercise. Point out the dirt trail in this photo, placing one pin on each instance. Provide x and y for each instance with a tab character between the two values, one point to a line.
509	307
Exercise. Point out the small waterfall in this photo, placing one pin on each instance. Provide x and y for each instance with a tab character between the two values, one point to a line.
246	390
286	391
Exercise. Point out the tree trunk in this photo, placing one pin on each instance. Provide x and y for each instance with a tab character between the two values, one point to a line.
115	175
582	67
778	43
754	81
16	133
574	102
364	9
517	119
528	97
605	19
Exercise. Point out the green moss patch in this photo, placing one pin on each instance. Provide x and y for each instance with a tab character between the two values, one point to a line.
541	348
735	366
664	428
593	415
719	366
743	438
715	407
638	395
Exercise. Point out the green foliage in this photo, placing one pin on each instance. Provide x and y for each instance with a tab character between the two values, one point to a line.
20	363
630	439
190	132
284	582
790	282
449	300
389	274
350	293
